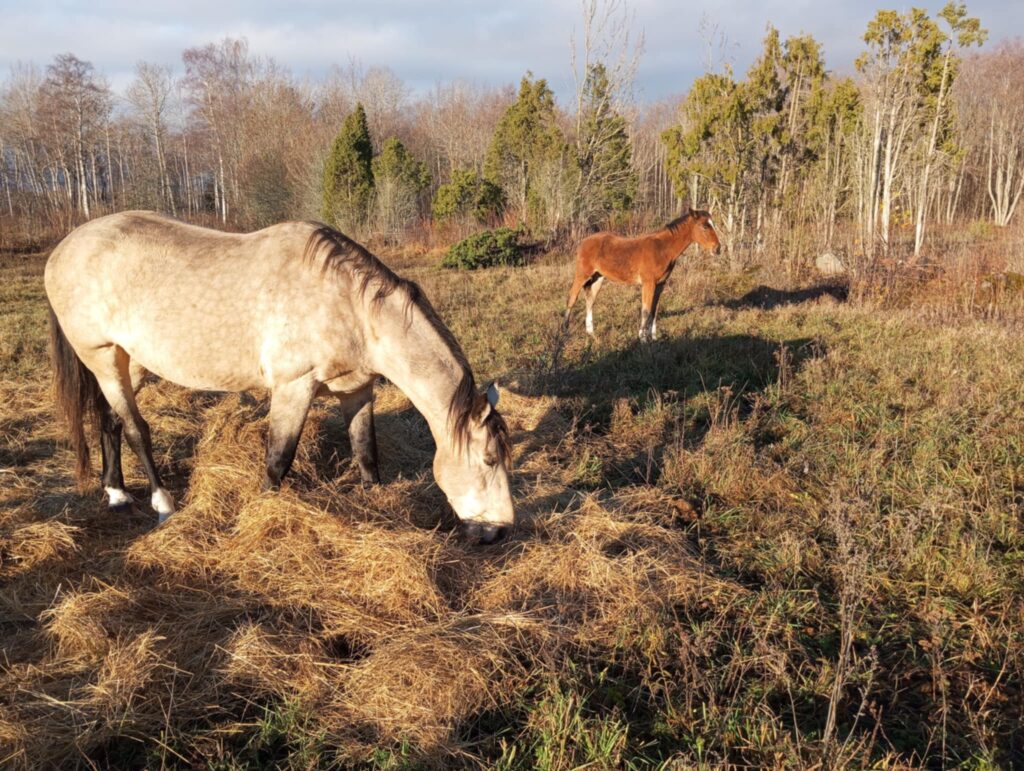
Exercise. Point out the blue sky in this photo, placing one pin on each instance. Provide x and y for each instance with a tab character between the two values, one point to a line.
427	42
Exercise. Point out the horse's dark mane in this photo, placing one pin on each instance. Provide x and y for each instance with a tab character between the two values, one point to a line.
336	253
678	222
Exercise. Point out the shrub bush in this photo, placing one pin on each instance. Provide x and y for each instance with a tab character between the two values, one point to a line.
501	246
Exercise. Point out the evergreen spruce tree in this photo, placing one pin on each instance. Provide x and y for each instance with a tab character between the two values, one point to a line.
466	194
606	182
527	158
348	175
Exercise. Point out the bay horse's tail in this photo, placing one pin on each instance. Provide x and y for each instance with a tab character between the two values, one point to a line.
77	396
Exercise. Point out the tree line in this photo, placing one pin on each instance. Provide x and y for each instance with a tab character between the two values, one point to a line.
927	130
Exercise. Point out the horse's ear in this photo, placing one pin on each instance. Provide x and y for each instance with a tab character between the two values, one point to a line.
492	394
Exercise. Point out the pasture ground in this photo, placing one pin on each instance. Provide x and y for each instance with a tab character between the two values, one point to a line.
788	533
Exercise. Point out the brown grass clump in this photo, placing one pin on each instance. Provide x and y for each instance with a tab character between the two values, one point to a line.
408	688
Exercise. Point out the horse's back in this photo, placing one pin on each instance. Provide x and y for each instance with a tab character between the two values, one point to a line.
611	255
193	305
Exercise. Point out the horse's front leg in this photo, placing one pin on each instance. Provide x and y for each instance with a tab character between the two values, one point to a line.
646	309
289	404
658	289
358	410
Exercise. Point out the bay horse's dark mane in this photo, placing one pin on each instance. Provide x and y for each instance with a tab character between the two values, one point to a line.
337	253
678	222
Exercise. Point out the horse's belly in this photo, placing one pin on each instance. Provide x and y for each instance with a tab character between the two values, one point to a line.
216	360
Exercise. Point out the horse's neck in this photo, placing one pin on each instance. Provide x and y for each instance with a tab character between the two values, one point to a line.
675	241
406	347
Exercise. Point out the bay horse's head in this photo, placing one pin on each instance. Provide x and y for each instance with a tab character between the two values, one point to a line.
473	470
703	230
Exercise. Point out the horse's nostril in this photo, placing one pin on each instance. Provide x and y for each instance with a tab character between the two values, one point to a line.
493	534
483	533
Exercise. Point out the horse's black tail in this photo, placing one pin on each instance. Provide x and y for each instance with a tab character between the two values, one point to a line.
77	397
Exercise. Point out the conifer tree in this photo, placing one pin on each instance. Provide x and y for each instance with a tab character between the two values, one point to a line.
348	174
606	183
466	195
399	181
527	156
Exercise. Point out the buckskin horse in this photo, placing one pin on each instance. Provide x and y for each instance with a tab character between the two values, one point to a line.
647	260
296	308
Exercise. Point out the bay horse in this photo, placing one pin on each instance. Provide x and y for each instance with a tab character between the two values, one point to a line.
298	309
647	260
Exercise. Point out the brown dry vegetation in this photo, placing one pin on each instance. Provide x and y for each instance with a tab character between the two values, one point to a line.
787	534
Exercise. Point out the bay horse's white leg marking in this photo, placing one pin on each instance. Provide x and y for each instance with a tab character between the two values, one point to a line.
646	309
358	411
592	290
658	289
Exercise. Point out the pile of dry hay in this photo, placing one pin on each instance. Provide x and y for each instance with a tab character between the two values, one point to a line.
353	606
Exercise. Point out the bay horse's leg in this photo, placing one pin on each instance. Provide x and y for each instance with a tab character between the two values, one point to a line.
111	367
289	404
592	287
358	410
574	292
646	308
658	289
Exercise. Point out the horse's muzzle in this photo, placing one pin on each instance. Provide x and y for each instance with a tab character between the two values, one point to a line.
483	532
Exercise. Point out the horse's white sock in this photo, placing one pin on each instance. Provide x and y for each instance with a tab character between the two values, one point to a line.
590	322
163	503
117	497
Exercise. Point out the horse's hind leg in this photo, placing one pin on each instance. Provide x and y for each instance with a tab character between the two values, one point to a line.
111	367
358	410
110	443
289	404
584	276
574	292
111	428
592	287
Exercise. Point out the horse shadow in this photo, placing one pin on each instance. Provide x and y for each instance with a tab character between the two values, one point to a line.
739	367
766	297
682	366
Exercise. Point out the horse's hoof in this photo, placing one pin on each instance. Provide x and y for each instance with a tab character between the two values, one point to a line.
118	501
162	503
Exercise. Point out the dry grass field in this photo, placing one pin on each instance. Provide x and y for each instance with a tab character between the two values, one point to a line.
788	533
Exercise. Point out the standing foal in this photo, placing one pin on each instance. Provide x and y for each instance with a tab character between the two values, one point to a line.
646	260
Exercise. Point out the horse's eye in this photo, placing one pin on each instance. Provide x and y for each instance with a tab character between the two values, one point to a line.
491	459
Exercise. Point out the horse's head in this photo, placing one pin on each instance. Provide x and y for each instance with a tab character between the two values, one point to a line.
704	231
473	472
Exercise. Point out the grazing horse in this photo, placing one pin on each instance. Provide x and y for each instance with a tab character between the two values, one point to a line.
646	260
296	308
